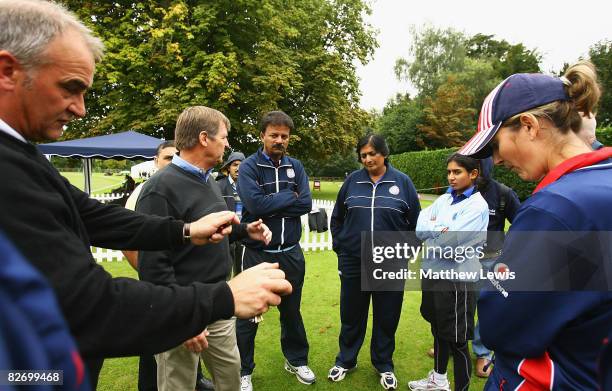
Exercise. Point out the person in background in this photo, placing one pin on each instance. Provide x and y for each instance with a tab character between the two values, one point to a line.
587	131
47	63
229	190
163	156
547	330
274	187
458	219
503	204
129	184
376	198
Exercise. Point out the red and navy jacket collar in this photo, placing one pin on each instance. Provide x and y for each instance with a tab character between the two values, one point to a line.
573	164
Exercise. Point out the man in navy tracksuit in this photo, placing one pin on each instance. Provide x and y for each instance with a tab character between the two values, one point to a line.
274	187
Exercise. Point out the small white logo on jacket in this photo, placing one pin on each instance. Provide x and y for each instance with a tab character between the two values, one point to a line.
290	173
394	190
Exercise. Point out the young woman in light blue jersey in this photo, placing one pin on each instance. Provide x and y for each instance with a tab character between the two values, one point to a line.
453	228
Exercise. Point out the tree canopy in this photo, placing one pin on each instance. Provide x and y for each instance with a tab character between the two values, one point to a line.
601	56
242	57
452	73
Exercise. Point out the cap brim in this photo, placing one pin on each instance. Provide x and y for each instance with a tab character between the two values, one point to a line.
478	146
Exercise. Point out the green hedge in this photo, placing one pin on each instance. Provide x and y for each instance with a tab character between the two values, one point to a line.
604	135
427	169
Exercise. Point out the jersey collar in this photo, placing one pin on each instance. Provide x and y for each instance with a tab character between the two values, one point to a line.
574	163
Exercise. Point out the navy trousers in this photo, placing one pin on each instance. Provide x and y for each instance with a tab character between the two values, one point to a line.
294	343
354	308
147	373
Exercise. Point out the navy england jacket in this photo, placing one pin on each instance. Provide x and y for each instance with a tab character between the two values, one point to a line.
552	339
277	195
392	204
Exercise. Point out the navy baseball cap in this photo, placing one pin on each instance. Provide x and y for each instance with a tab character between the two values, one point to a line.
517	94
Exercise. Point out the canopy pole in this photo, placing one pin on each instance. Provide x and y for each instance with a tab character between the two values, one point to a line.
87	175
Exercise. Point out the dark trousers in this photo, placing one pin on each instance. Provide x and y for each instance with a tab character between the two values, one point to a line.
294	343
354	308
462	363
147	373
236	250
94	366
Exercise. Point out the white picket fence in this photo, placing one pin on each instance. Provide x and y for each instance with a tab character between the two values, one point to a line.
311	241
108	197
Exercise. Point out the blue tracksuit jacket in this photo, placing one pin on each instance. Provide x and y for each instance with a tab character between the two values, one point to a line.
269	193
391	204
33	332
551	340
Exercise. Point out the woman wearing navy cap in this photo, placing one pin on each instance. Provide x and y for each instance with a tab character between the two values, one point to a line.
375	198
548	328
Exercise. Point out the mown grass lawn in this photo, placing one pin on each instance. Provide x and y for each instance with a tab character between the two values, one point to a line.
100	183
320	309
329	190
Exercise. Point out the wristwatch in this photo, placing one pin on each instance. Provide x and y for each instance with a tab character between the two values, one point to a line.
186	232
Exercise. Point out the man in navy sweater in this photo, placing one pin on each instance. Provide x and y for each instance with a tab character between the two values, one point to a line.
274	187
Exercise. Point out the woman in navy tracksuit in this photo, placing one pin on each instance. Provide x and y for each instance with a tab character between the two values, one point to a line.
375	198
548	329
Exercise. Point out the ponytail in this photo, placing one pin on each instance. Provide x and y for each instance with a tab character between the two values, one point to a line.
581	85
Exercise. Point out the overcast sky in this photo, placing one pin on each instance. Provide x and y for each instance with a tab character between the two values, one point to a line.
555	28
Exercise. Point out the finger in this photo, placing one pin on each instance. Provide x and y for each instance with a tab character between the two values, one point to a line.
280	286
274	274
216	238
227	230
273	299
189	346
264	266
223	218
256	224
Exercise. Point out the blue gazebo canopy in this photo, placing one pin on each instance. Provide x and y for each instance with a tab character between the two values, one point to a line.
125	145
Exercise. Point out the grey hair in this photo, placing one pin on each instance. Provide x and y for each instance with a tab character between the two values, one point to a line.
29	26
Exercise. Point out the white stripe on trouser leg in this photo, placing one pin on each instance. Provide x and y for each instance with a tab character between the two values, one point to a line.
467	372
242	259
456	324
465	309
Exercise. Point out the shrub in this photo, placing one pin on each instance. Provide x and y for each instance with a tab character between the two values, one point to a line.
427	169
604	135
